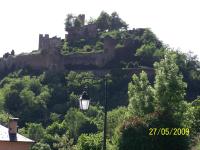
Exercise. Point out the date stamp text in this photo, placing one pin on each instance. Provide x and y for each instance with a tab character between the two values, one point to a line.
169	131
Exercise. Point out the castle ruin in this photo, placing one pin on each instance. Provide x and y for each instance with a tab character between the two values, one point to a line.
50	44
88	31
48	55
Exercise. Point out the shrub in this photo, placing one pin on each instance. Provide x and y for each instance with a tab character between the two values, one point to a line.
90	142
87	48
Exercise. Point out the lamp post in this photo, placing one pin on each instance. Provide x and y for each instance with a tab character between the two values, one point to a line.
84	102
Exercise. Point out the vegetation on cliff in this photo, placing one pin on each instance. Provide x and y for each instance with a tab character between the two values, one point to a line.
47	102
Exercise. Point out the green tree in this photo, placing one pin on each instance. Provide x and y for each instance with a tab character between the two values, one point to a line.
4	118
133	134
12	102
149	37
77	22
170	108
189	66
95	114
26	98
12	53
41	146
35	131
115	117
141	97
69	21
149	53
76	82
116	22
56	128
103	21
64	142
147	50
74	119
90	142
72	21
91	20
169	85
65	49
196	115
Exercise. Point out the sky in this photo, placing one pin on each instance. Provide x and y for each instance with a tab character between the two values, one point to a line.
175	22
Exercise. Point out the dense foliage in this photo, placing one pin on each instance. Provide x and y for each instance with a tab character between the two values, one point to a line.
167	99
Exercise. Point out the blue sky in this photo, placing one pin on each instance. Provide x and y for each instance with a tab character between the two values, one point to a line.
175	22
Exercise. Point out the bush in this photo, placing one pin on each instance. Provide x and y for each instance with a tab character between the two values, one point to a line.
90	142
135	134
99	46
41	146
119	45
87	48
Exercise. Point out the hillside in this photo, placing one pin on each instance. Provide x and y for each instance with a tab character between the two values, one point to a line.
117	50
43	87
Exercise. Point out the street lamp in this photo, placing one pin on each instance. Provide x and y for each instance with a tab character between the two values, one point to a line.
84	102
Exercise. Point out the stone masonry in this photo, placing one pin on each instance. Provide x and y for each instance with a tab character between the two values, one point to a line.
46	43
49	57
87	31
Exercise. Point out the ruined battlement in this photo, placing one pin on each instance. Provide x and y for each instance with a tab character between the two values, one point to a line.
47	43
87	32
48	55
46	58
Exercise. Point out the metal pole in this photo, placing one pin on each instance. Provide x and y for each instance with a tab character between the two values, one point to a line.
105	115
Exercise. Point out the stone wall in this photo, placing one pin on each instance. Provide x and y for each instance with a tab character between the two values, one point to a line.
47	60
48	55
50	44
86	32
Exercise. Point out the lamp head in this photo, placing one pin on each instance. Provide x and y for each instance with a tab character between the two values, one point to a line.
84	101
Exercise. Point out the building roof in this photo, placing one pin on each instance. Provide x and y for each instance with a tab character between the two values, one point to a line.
4	136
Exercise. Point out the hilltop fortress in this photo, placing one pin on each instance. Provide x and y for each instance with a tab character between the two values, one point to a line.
48	55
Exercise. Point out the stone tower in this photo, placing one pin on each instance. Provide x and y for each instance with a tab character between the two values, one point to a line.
50	44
